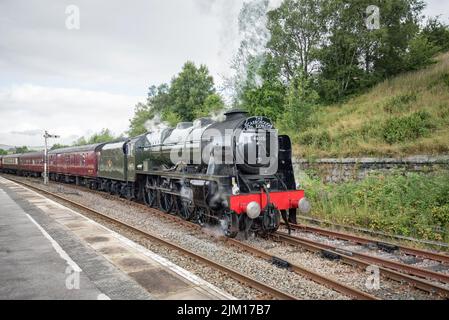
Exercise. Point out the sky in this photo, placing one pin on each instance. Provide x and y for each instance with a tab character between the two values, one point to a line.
74	82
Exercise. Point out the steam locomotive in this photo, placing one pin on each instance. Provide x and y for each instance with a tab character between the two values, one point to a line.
235	173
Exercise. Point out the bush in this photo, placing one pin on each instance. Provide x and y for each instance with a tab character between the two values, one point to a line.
306	138
171	118
420	54
401	129
437	33
406	204
445	79
320	139
397	103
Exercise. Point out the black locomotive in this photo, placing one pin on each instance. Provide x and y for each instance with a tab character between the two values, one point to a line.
235	173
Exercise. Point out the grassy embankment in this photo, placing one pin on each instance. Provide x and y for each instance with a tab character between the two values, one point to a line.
404	116
411	205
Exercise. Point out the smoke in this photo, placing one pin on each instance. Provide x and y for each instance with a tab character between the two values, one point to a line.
216	231
186	192
156	124
274	4
226	11
253	36
206	6
242	33
218	116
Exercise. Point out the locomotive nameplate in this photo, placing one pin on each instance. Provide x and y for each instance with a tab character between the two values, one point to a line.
254	123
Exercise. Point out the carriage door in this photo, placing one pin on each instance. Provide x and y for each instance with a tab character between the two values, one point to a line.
130	162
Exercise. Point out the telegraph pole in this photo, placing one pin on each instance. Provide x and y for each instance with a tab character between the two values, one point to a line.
46	137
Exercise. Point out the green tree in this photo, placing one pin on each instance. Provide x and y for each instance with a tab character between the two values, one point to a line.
81	141
171	118
437	33
329	42
158	103
142	113
189	91
355	57
159	98
212	104
264	97
3	152
105	135
58	146
297	30
400	24
421	52
23	149
346	57
190	95
301	101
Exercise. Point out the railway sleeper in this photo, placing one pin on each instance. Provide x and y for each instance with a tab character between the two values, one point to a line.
330	255
387	247
280	263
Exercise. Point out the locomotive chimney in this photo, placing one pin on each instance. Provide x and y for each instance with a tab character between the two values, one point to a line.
235	114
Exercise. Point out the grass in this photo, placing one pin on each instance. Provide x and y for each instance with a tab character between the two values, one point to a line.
406	115
396	204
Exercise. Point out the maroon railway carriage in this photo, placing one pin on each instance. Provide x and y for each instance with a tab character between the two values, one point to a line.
74	164
10	163
31	164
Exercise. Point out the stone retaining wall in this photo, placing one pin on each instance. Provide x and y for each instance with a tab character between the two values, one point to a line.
342	170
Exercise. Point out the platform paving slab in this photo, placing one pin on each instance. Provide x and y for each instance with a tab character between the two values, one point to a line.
112	265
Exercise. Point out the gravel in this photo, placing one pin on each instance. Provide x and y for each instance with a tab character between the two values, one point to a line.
204	243
397	256
207	244
349	275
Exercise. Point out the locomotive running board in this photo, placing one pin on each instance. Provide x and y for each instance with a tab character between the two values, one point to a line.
180	175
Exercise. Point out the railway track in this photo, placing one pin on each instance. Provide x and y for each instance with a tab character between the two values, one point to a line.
325	225
395	271
440	257
318	278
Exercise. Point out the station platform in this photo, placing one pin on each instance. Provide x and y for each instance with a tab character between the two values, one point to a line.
49	251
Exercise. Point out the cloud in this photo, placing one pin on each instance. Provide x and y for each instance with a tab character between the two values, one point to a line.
76	82
27	110
437	8
28	132
118	47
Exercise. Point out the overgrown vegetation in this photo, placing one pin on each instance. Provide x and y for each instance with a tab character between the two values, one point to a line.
405	115
404	204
